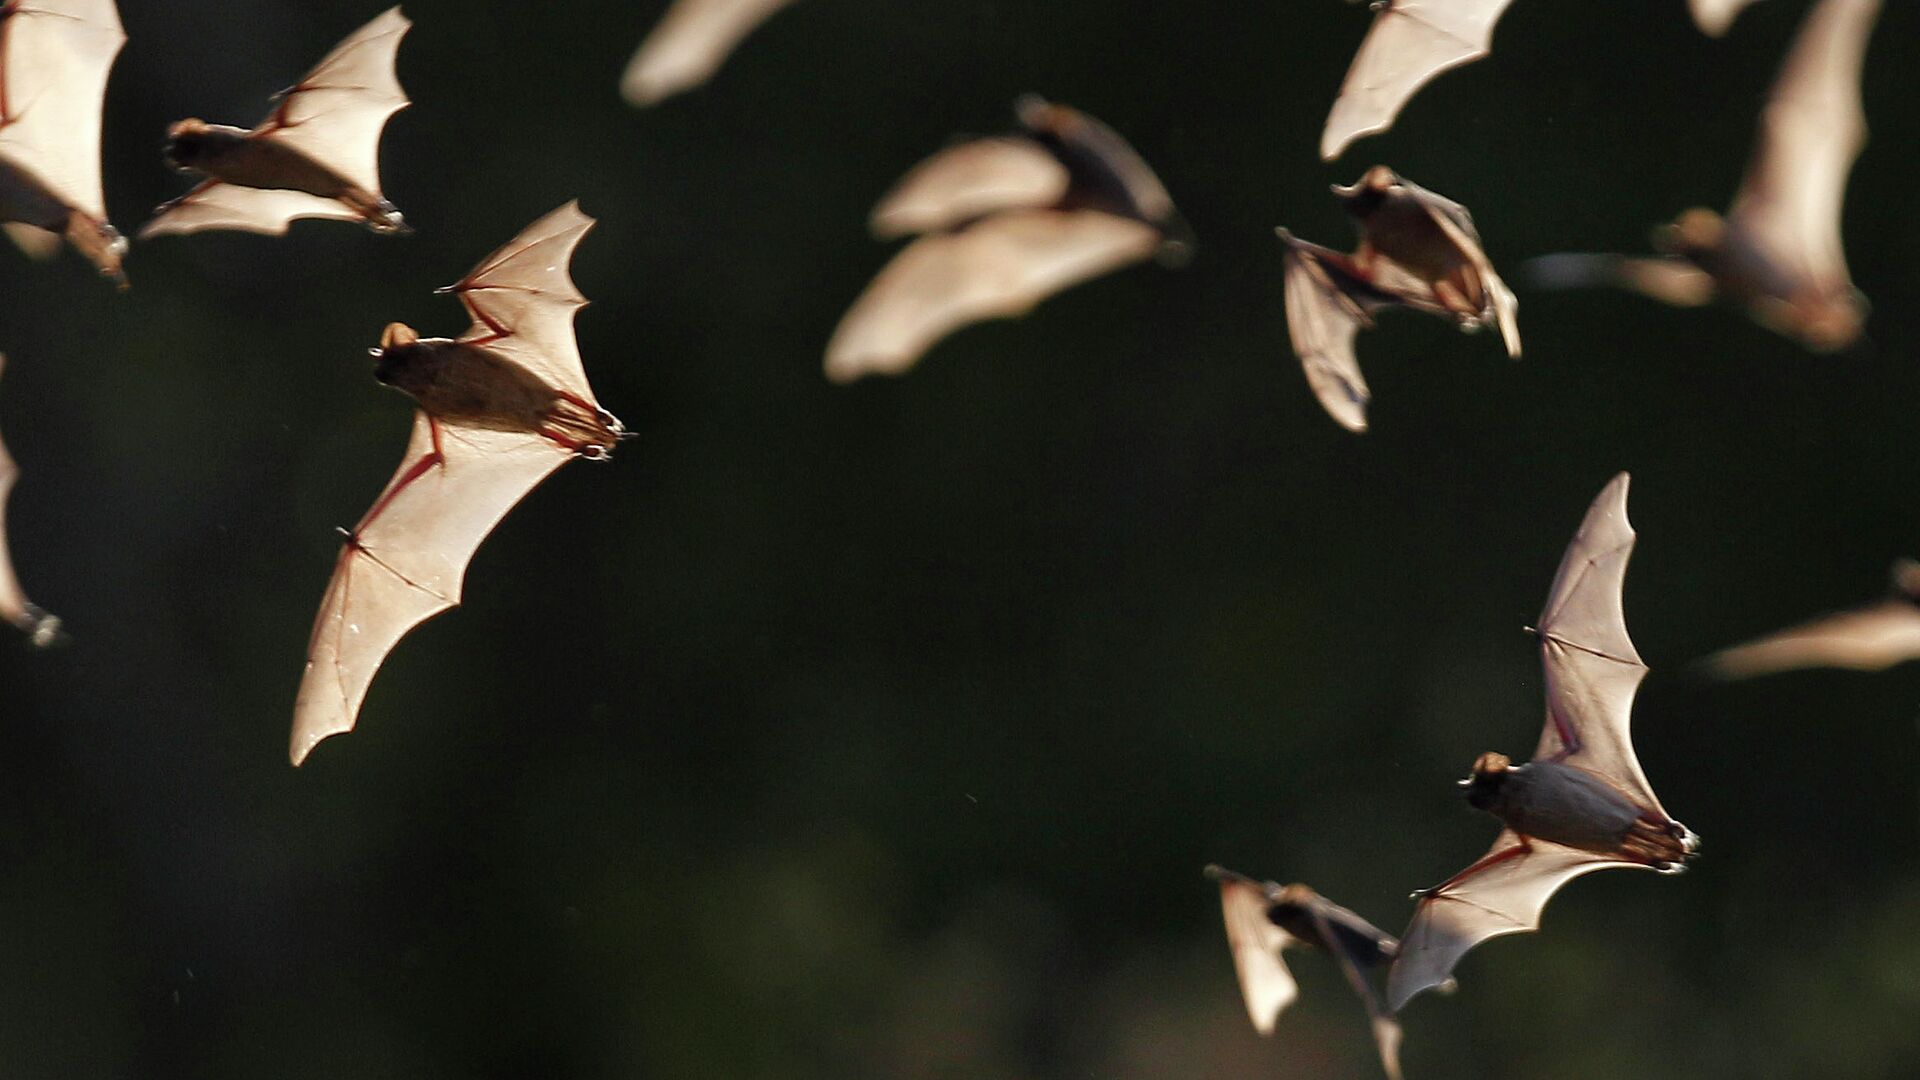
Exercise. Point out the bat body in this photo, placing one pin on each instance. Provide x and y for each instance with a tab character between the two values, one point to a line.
1264	919
317	155
41	628
500	408
1004	223
1872	637
1417	250
1410	42
54	60
1582	803
1777	253
692	40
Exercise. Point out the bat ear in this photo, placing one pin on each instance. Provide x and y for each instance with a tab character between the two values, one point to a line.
397	335
1033	112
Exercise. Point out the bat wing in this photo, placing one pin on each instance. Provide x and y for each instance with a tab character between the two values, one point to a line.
1668	280
215	205
969	181
523	300
1810	133
1592	668
1411	41
1870	638
691	42
1503	894
406	562
1456	224
995	268
1324	312
40	627
336	113
54	59
1714	16
1256	942
1386	1030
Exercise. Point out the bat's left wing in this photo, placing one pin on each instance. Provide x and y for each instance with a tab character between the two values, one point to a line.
54	60
1870	638
1503	893
1386	1030
1265	983
999	267
968	181
1812	130
1456	224
1410	42
523	300
692	40
40	627
406	561
1714	16
1326	306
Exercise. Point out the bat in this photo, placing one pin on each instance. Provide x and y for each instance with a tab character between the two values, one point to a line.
500	408
1777	252
1582	804
1410	42
54	60
1418	250
1872	637
692	40
1003	224
1714	16
1264	919
316	155
41	628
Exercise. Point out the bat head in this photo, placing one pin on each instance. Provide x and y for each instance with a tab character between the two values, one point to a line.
1694	233
1483	785
1906	579
100	243
395	355
1362	197
187	143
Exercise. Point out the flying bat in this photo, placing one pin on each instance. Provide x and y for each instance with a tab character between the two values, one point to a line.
1417	250
1778	251
1410	42
500	407
1872	637
1714	16
1582	804
316	155
690	43
1003	224
54	59
41	628
1264	919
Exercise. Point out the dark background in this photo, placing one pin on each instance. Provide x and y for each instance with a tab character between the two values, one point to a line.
882	731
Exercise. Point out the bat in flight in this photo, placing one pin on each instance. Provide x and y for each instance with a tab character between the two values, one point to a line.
1003	223
1418	251
500	407
317	155
1582	803
41	628
1715	16
1872	637
1264	919
690	43
1777	252
54	59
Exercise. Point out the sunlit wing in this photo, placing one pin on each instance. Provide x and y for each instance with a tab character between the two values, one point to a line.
523	300
1810	133
215	205
996	268
1411	41
407	564
1715	16
336	113
1870	638
54	60
1265	983
40	627
1503	897
692	40
1323	316
967	181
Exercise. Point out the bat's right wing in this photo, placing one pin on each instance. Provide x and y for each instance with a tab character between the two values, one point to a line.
1386	1030
1669	280
1411	41
523	300
1714	16
689	45
405	562
1324	312
54	59
1255	942
999	267
1870	638
214	205
969	181
40	627
1503	893
1811	132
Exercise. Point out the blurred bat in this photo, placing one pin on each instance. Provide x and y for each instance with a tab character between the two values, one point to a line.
54	59
1005	223
1410	42
1582	804
1778	251
501	407
692	40
41	628
1872	637
1264	919
317	155
1714	16
1417	250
